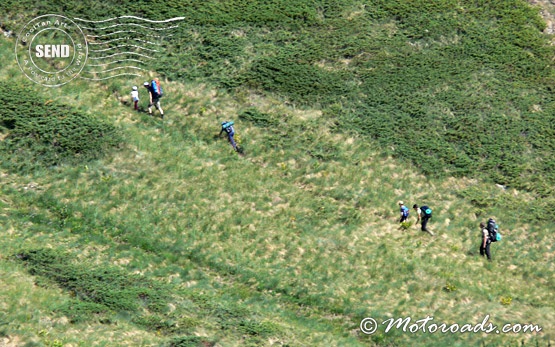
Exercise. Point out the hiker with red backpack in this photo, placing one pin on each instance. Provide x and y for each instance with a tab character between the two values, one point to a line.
154	93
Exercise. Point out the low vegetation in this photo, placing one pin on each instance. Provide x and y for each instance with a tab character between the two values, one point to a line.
41	132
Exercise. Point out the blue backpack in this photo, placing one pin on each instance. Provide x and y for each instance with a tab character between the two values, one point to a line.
405	211
156	88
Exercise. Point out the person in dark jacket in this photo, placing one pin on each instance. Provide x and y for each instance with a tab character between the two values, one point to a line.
485	242
154	100
424	214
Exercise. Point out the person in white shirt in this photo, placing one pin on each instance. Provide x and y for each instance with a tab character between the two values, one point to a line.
135	97
423	215
418	211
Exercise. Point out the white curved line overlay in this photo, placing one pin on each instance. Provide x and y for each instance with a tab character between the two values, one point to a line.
117	61
124	31
106	42
131	17
113	55
111	48
116	68
132	24
123	38
105	78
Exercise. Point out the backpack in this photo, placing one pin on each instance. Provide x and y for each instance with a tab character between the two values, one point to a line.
426	211
156	88
405	211
493	230
228	126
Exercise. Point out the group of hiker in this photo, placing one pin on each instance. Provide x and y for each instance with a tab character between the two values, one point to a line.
489	232
423	215
155	92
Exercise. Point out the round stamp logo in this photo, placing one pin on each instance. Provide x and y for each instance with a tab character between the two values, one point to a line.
51	50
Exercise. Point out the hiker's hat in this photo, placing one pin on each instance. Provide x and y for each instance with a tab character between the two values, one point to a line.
145	84
401	203
134	87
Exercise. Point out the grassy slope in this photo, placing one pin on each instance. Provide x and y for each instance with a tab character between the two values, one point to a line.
276	230
460	88
294	239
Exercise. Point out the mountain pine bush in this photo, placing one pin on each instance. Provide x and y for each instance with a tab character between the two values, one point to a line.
36	131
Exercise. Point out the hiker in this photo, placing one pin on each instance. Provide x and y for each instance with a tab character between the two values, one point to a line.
486	242
154	99
490	233
404	212
417	210
227	126
423	214
135	97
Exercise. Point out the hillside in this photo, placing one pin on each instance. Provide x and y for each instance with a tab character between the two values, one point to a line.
121	229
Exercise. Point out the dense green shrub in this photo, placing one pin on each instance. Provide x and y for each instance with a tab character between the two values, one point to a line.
258	118
81	311
42	132
191	341
108	288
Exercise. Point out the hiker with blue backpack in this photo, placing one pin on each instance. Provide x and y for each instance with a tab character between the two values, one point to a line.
490	233
227	126
423	215
404	212
154	93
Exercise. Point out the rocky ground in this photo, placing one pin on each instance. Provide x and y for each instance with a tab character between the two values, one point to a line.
548	13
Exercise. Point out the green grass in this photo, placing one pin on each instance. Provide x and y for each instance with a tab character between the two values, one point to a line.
296	242
457	88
